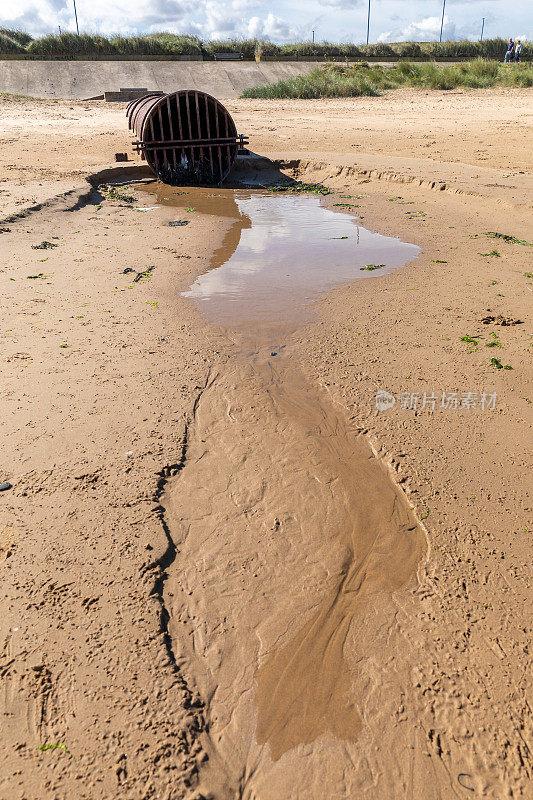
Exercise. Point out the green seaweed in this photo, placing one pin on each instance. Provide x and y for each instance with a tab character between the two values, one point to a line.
113	193
54	746
498	364
310	188
507	238
44	246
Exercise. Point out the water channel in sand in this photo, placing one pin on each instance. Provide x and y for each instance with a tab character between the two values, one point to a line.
288	530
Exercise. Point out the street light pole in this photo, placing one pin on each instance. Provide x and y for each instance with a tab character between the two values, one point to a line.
482	29
368	24
442	20
76	15
313	37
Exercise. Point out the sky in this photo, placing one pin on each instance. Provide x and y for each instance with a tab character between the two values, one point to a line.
276	20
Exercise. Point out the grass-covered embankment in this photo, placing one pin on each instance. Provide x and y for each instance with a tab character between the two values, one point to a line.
172	45
344	80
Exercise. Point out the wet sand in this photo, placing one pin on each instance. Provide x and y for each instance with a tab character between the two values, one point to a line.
286	526
151	646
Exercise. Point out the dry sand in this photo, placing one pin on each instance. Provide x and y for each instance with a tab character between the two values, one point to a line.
163	546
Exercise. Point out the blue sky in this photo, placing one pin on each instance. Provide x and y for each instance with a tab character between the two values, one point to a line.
333	20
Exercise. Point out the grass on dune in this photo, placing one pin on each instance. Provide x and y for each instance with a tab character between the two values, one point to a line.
156	44
13	35
8	97
69	44
317	83
10	45
345	80
164	43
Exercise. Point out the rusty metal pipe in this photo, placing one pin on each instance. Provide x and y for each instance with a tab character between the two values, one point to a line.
179	135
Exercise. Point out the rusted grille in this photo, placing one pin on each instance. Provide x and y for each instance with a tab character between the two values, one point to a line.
186	137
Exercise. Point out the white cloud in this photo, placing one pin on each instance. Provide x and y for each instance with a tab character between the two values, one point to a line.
278	20
244	5
347	4
426	30
96	16
273	28
231	20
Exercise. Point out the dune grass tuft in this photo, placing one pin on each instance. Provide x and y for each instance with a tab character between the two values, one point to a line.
69	44
9	45
156	44
20	37
354	80
318	83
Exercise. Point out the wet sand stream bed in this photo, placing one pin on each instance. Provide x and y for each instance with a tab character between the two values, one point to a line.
285	524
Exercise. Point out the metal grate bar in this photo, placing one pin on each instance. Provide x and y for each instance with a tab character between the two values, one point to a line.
171	128
189	120
162	132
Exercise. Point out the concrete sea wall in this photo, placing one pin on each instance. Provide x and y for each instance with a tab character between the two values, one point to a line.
84	79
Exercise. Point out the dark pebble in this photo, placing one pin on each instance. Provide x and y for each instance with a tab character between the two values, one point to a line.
4	485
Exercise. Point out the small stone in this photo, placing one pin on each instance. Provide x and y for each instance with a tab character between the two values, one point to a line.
4	485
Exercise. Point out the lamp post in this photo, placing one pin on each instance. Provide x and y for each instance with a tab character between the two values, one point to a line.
76	15
368	24
313	37
482	29
442	20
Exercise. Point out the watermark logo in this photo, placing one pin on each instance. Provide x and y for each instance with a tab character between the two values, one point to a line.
434	401
384	400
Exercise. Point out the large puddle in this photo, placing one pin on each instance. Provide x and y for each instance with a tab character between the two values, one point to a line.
291	250
284	252
290	536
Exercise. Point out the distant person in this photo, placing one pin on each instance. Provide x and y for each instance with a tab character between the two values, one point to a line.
509	56
518	50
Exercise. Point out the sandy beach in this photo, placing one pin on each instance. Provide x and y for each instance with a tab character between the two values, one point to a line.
226	573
